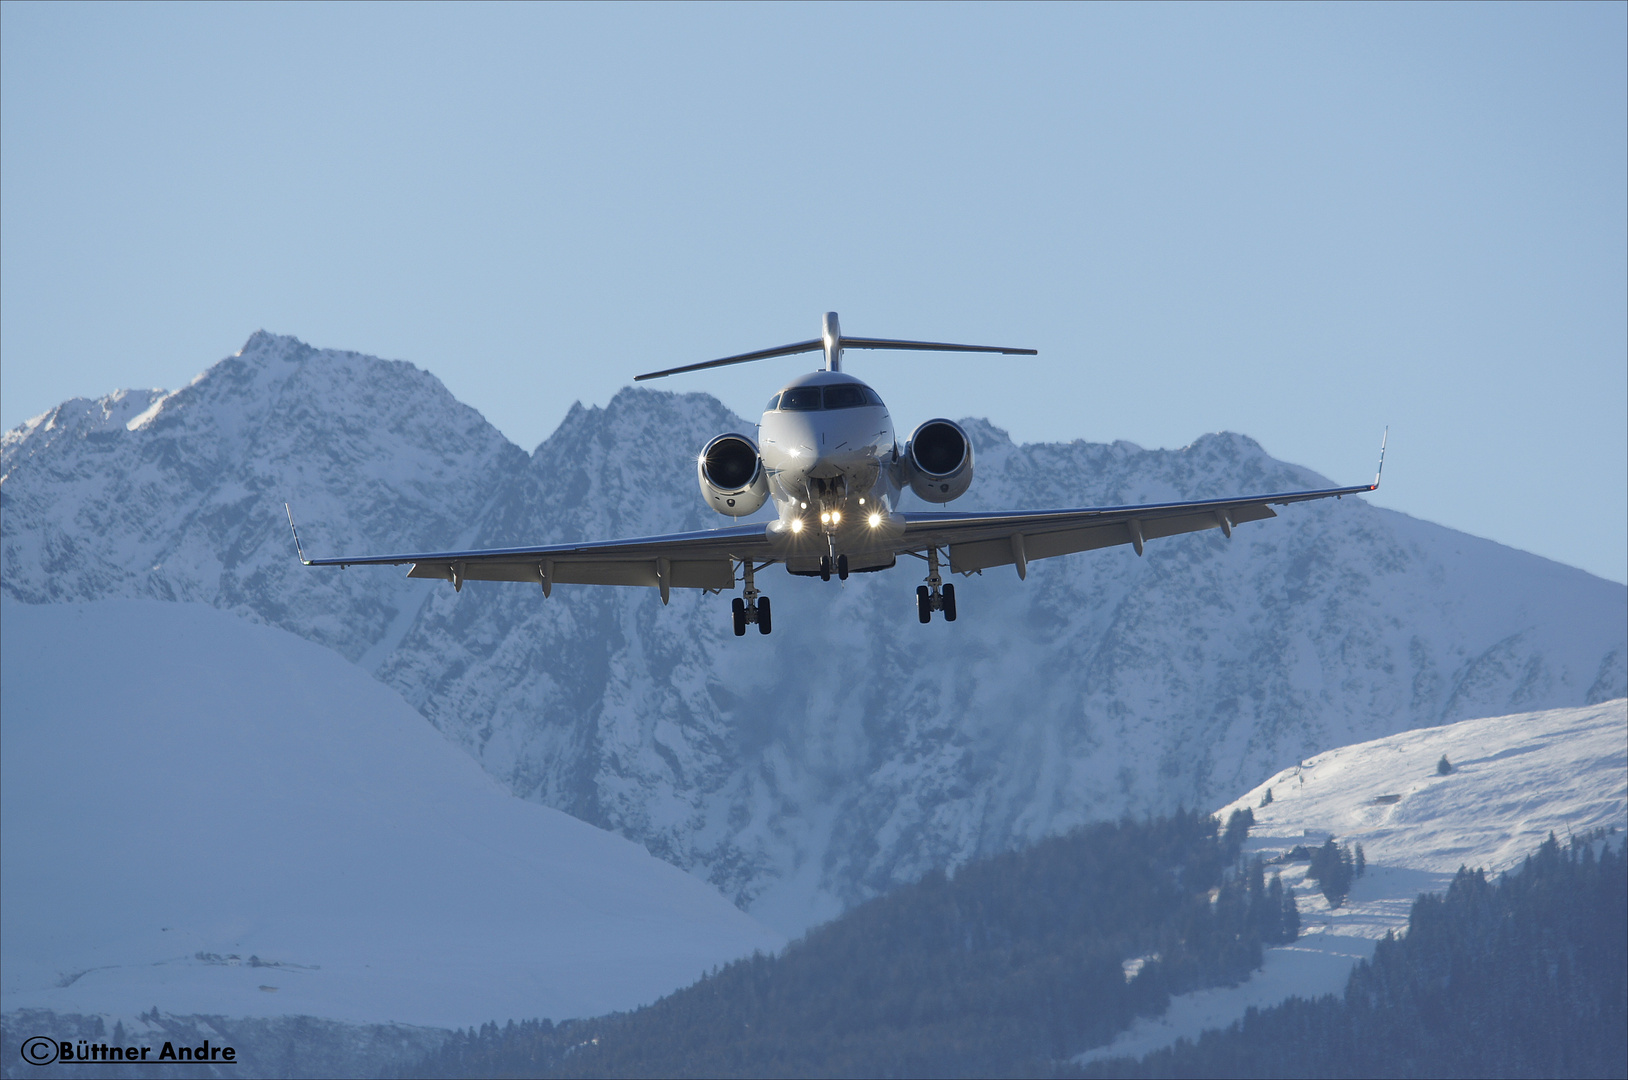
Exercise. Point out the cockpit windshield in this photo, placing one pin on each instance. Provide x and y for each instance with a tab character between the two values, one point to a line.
774	403
850	396
801	399
808	398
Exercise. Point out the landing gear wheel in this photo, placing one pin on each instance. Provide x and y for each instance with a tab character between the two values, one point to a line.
825	568
924	604
949	603
738	606
842	567
763	624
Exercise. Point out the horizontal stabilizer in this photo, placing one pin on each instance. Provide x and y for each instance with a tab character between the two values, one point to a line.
931	346
832	342
761	354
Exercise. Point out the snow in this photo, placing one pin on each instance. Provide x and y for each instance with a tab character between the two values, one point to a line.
214	817
1515	780
1105	684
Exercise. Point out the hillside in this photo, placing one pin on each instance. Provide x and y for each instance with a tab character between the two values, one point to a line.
1514	780
1104	684
210	817
1017	961
1525	975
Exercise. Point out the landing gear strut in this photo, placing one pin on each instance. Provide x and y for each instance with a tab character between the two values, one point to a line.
753	606
935	595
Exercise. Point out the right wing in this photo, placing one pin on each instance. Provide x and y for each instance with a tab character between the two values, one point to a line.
696	560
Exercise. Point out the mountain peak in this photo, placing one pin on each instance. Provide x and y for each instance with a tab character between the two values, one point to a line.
264	342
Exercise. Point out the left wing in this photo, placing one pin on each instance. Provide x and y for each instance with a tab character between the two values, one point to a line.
977	541
696	560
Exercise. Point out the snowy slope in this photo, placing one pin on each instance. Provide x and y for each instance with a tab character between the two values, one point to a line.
1102	685
179	496
1516	779
213	817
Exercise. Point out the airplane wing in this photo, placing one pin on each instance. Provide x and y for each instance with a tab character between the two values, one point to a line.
696	560
980	540
706	559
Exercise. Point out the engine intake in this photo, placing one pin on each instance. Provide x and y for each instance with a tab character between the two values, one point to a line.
938	461
731	475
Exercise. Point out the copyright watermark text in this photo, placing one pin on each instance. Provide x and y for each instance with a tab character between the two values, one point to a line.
43	1051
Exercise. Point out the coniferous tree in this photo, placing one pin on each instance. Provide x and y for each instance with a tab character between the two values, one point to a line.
1291	914
1331	868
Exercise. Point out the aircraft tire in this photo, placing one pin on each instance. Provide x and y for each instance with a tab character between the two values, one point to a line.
825	568
738	607
763	623
842	568
949	603
924	604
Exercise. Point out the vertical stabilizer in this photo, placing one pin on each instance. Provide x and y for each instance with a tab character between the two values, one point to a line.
831	338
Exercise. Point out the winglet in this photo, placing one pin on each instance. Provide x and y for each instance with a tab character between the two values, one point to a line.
1383	439
296	533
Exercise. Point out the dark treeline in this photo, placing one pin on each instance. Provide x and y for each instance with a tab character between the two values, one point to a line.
1525	977
1014	963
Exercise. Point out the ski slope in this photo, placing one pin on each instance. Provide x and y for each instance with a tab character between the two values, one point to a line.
213	817
1515	779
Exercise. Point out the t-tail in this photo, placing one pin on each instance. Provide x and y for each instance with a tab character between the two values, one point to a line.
832	342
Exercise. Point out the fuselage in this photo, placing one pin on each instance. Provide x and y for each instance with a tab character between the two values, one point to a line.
830	456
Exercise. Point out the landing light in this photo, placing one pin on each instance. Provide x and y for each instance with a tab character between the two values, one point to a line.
796	524
824	518
875	520
836	518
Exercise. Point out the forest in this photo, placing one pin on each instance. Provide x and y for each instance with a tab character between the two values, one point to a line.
1013	963
1526	976
1017	962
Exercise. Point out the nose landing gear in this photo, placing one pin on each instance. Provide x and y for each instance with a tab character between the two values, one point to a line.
935	595
841	564
752	606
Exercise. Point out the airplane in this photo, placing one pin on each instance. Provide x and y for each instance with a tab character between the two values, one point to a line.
831	462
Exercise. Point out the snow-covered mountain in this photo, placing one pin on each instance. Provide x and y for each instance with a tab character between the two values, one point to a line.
1514	780
854	747
210	817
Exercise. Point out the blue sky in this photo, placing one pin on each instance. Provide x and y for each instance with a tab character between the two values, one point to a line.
1301	222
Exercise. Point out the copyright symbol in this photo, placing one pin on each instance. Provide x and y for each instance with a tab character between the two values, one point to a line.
39	1050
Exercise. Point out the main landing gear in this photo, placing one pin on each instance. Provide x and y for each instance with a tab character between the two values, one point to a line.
935	595
752	607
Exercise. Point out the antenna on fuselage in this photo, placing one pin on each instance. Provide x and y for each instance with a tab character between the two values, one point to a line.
832	342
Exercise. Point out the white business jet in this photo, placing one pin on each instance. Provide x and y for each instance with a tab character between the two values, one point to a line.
830	460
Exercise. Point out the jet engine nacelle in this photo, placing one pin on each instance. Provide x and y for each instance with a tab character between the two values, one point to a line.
938	461
731	475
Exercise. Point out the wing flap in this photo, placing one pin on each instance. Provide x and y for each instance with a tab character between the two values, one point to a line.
685	573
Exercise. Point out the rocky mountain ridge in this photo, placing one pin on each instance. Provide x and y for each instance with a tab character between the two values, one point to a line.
854	747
